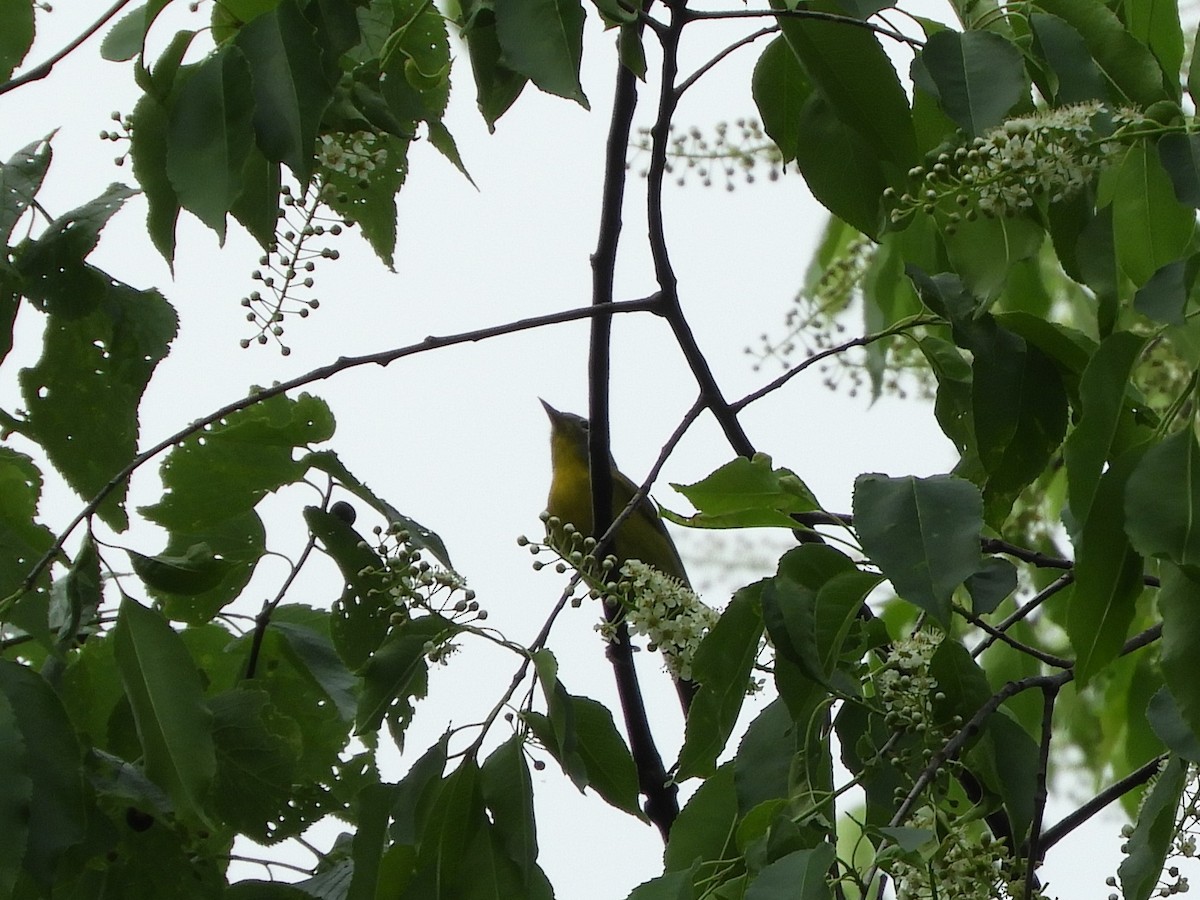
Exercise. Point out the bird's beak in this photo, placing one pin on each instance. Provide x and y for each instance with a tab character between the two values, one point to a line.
553	413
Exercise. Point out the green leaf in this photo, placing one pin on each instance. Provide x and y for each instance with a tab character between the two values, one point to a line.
83	395
722	668
124	40
148	149
1164	297
174	724
1178	602
1108	572
1125	61
291	91
508	793
543	40
992	583
256	752
847	65
746	493
705	827
1153	834
20	180
195	571
1150	227
1166	720
257	206
1180	157
227	468
923	533
1006	760
315	655
1102	398
1193	73
763	767
16	35
55	811
371	202
985	251
839	166
16	795
780	87
671	886
496	85
361	615
1162	501
22	540
977	77
418	535
237	544
456	815
1156	24
606	759
962	686
373	803
210	137
1078	78
396	672
800	875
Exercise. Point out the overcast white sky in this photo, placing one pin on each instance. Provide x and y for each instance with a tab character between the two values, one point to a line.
457	439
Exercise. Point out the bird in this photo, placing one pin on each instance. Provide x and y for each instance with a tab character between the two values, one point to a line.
641	536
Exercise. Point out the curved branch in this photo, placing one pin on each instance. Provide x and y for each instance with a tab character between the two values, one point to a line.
806	14
1114	791
736	45
383	358
40	71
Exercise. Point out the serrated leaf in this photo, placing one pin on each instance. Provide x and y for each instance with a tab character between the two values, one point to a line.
22	539
371	202
496	85
923	533
1156	24
228	468
1078	78
395	672
799	875
315	655
976	76
174	723
124	40
705	827
610	770
16	35
746	493
1178	600
543	40
83	394
256	751
1169	726
20	179
148	147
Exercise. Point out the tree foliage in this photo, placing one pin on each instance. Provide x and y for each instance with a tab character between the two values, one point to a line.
1013	220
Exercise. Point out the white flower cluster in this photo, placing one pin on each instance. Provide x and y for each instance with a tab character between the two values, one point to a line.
667	612
1051	154
353	154
904	686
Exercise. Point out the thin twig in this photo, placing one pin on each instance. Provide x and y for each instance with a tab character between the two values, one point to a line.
1114	791
383	358
1064	580
38	72
1033	857
264	616
736	45
806	14
1059	662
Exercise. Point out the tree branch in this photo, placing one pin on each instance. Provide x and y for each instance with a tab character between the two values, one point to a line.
383	358
662	804
805	14
38	72
736	45
1113	792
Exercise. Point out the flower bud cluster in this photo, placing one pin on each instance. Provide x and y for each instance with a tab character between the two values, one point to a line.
1047	156
408	583
730	153
904	686
665	611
